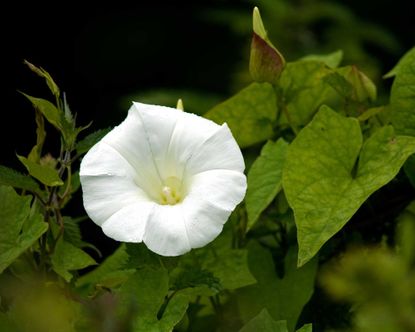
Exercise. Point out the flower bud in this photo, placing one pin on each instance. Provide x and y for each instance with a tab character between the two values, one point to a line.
266	62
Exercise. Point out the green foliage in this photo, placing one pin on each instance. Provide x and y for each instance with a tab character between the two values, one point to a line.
14	214
85	144
283	298
67	257
329	173
249	113
10	177
264	179
333	154
402	98
43	173
264	322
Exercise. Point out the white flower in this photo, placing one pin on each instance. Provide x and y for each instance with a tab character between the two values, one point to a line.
164	177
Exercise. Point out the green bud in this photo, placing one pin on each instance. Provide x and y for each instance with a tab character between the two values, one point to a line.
363	88
266	62
43	73
179	105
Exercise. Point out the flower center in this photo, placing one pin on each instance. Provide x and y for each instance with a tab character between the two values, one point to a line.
171	191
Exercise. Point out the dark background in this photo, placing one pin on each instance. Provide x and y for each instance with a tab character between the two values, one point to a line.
99	55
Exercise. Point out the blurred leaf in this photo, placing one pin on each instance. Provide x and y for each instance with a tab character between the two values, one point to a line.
265	323
283	298
306	328
331	60
67	257
409	168
144	294
43	73
89	141
363	88
329	174
43	173
249	113
39	307
402	63
264	179
402	98
405	236
14	213
10	177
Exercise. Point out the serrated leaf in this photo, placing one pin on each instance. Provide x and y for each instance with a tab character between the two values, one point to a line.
329	173
265	323
264	179
249	114
49	111
10	177
67	257
14	213
43	173
402	98
283	298
85	144
331	60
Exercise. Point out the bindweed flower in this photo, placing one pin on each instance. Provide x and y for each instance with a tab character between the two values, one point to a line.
164	177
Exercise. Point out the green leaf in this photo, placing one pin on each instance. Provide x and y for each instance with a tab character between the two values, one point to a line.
305	90
231	267
264	179
331	60
36	151
89	141
339	83
14	214
283	298
402	63
67	257
43	173
249	113
145	293
174	312
306	328
10	177
329	174
402	98
49	111
116	262
265	323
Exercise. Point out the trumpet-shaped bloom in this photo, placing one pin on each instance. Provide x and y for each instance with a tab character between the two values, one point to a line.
164	177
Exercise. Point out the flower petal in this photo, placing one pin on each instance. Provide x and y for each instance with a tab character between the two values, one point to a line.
159	122
104	195
102	159
128	224
222	188
130	139
165	232
220	151
204	221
